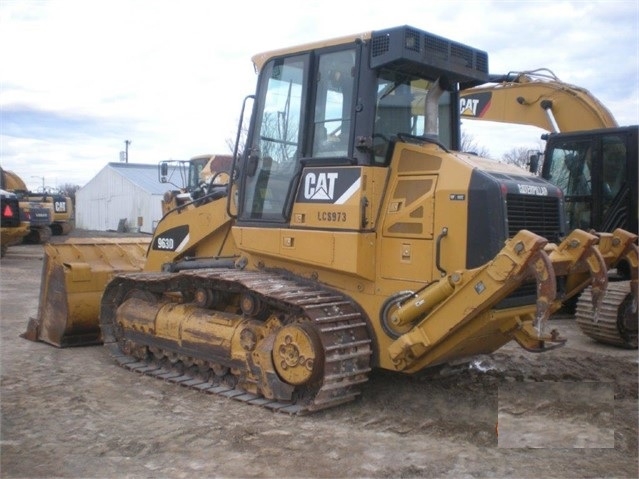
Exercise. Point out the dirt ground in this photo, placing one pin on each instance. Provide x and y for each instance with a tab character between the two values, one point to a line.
571	412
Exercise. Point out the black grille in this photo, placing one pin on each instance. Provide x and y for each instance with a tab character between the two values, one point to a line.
539	214
437	46
411	40
380	46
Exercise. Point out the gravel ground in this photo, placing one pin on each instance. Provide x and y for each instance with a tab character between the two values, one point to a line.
69	413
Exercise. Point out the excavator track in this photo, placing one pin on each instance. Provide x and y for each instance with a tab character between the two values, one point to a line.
616	322
340	326
40	235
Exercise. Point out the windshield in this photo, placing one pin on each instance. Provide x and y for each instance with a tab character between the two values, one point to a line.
570	170
195	169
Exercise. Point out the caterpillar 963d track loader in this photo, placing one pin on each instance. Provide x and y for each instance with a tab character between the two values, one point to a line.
592	159
350	236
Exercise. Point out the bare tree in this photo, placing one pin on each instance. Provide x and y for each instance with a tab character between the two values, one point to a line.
520	156
230	142
278	139
69	189
469	144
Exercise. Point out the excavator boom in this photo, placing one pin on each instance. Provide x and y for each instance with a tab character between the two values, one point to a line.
536	98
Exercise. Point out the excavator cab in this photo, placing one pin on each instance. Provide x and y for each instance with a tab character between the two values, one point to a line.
597	171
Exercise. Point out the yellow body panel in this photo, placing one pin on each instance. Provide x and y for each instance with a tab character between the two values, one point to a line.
207	234
311	251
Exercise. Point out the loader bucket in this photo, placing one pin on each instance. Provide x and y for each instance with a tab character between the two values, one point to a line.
74	275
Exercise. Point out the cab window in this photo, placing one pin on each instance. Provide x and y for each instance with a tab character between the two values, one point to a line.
333	104
273	155
571	171
401	108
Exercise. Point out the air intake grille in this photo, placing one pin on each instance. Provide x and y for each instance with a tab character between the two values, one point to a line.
539	214
380	46
428	55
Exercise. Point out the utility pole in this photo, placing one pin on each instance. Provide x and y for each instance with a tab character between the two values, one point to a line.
126	150
43	188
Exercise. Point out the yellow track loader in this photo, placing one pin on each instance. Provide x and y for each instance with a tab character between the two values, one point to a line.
351	235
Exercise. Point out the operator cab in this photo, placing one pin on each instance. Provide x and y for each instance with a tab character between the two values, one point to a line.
344	103
596	171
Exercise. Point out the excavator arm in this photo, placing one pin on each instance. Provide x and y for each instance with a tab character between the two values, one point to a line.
536	98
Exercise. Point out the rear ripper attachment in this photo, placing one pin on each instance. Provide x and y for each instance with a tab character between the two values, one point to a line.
258	337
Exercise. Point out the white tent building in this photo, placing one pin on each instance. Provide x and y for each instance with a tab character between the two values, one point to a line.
121	195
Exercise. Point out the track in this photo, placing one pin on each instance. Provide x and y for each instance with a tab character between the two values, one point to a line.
39	235
616	323
341	328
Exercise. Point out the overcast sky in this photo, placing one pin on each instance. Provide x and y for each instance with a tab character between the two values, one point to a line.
78	78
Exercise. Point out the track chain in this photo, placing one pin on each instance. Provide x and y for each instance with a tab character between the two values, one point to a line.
341	326
607	327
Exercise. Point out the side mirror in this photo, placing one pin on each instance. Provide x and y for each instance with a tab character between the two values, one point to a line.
164	172
533	163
